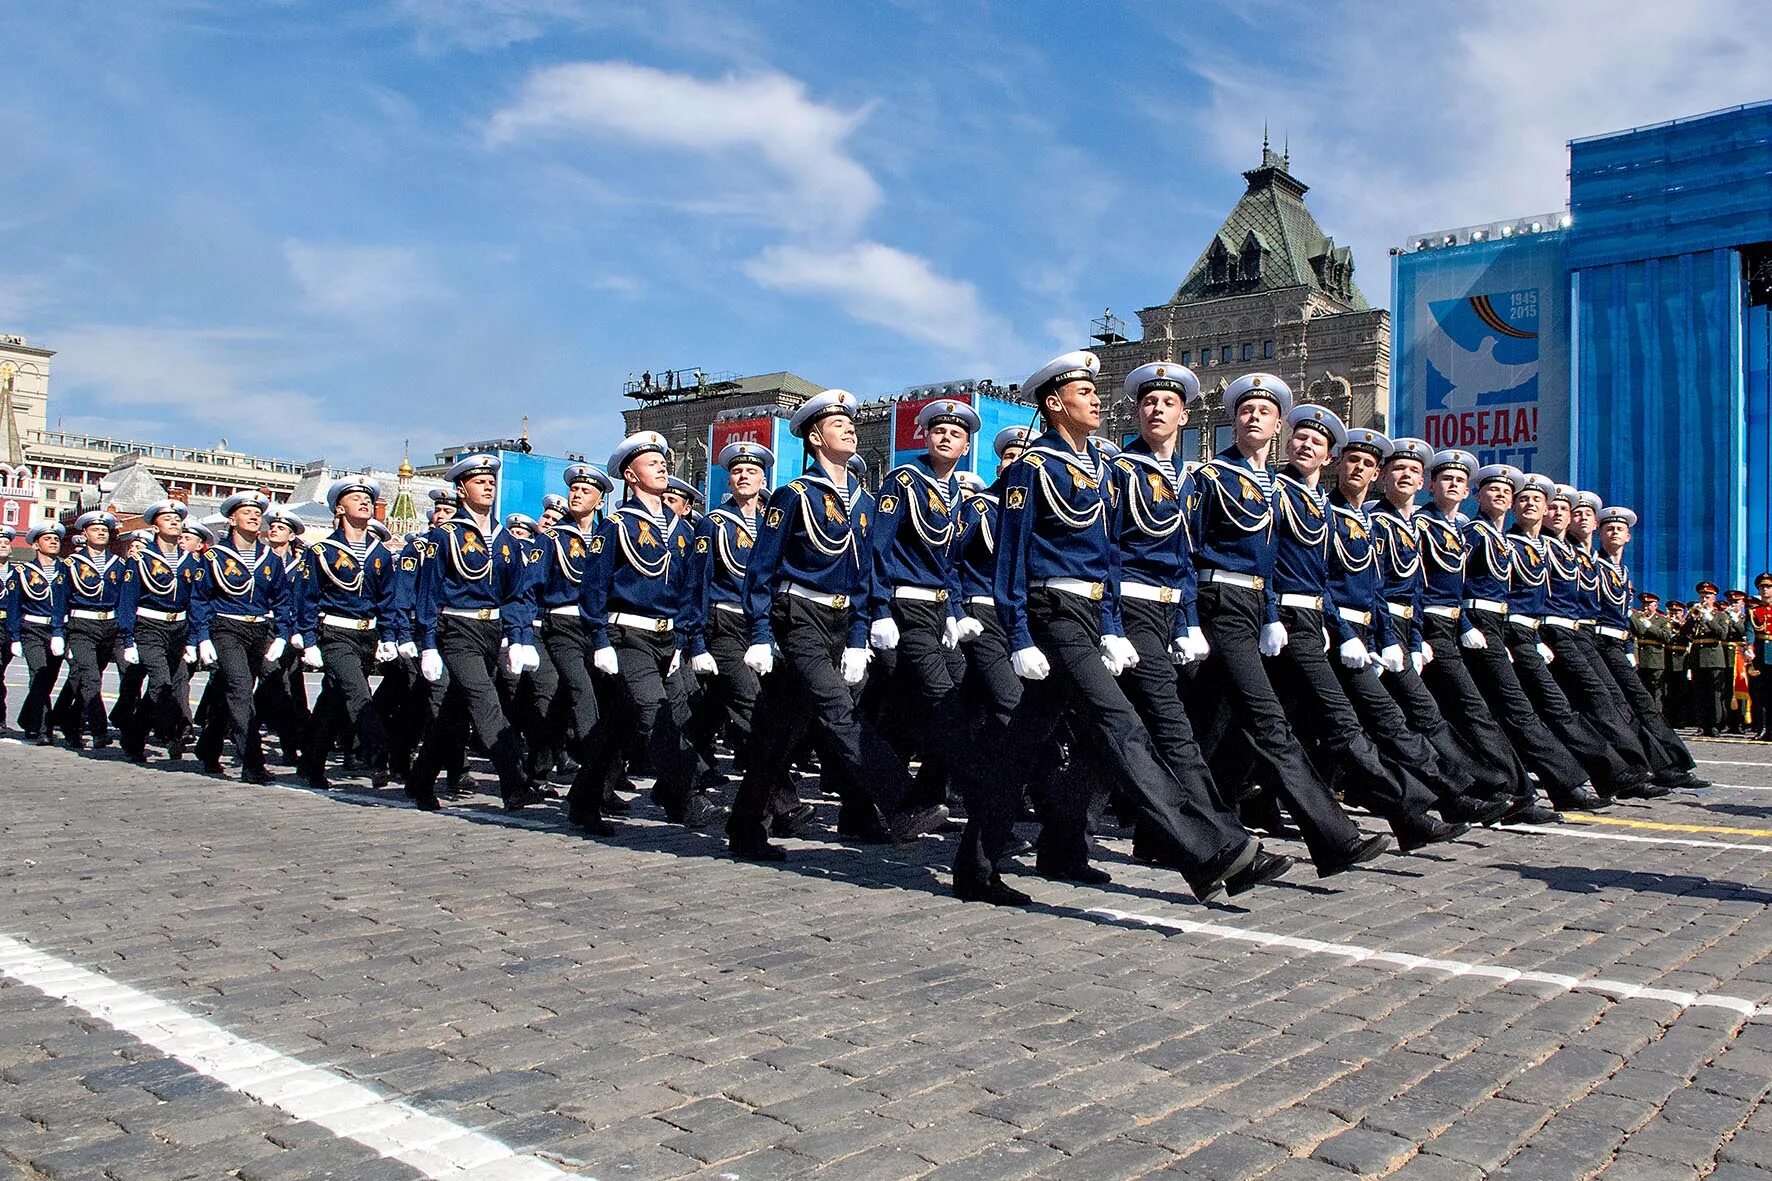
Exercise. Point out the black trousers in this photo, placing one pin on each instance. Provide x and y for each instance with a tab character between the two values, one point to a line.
990	692
1668	749
1460	770
1759	692
1237	715
130	679
283	702
1462	704
648	701
806	689
1557	768
345	714
531	701
1604	766
1592	695
44	666
92	646
470	652
159	709
576	706
1708	694
239	654
5	663
729	698
926	686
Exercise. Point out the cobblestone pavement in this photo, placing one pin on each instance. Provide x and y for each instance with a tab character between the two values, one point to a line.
1568	1003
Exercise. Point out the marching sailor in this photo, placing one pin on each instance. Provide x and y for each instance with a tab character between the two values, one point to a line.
152	614
95	581
43	621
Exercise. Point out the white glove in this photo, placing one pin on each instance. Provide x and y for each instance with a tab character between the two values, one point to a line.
1030	664
760	659
1473	638
702	665
883	634
950	633
190	654
18	648
1196	639
408	649
1419	660
1427	654
1273	638
854	664
1325	640
296	642
1354	654
206	654
1118	654
57	646
1392	659
274	651
385	651
1181	651
132	655
970	629
676	663
430	665
1544	651
514	662
311	657
1630	656
604	661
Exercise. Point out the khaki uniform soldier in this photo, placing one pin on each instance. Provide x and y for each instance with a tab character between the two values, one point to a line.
1708	628
1652	630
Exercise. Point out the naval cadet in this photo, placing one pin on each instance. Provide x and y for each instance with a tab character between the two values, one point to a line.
43	621
1231	518
242	614
10	644
351	627
445	503
282	687
553	511
95	580
683	499
152	615
472	596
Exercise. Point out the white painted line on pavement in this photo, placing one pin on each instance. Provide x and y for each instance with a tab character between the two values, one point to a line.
1412	963
1729	763
1566	830
1737	787
434	1146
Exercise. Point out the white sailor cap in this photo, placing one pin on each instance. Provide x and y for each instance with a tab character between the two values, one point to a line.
745	451
217	523
142	535
200	531
1588	500
1617	512
340	488
1106	446
1081	365
821	406
280	515
684	489
409	538
240	500
1360	438
950	411
970	481
515	521
161	507
7	533
1258	385
1409	447
380	530
1537	483
1507	472
1563	492
553	502
480	463
1009	436
444	496
1318	418
590	473
1161	375
1452	457
46	527
634	446
85	521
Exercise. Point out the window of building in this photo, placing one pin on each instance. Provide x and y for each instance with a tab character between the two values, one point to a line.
1187	358
1189	446
1221	437
1267	349
1224	355
9	514
1248	351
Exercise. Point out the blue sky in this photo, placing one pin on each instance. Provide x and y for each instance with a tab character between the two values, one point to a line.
319	229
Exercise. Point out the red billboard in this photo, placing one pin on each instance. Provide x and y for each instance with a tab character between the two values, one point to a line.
905	435
742	430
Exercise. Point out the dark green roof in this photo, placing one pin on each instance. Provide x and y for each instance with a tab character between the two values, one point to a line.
1293	249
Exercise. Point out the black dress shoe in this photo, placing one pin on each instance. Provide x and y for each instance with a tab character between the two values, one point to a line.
1362	851
1475	810
793	822
754	850
45	740
136	755
909	825
1649	790
1582	799
995	892
1265	868
380	778
1419	833
1081	872
522	797
258	775
1017	847
318	782
594	826
214	767
1532	813
865	834
615	805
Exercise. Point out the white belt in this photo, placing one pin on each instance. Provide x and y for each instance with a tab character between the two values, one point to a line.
45	620
242	618
1613	633
161	616
920	594
346	622
1401	610
982	601
1153	594
1363	618
1442	612
470	612
567	610
1303	602
1074	586
1529	622
1559	621
644	622
1489	605
734	608
82	613
838	602
1231	578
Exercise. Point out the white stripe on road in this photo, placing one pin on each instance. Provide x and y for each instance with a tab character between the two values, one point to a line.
1729	763
1564	830
434	1146
1420	963
1739	787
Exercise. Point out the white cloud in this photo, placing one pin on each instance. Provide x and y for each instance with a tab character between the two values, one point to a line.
361	282
886	286
739	120
486	24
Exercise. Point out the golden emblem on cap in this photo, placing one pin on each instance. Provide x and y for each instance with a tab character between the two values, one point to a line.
1162	372
1255	381
1318	416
